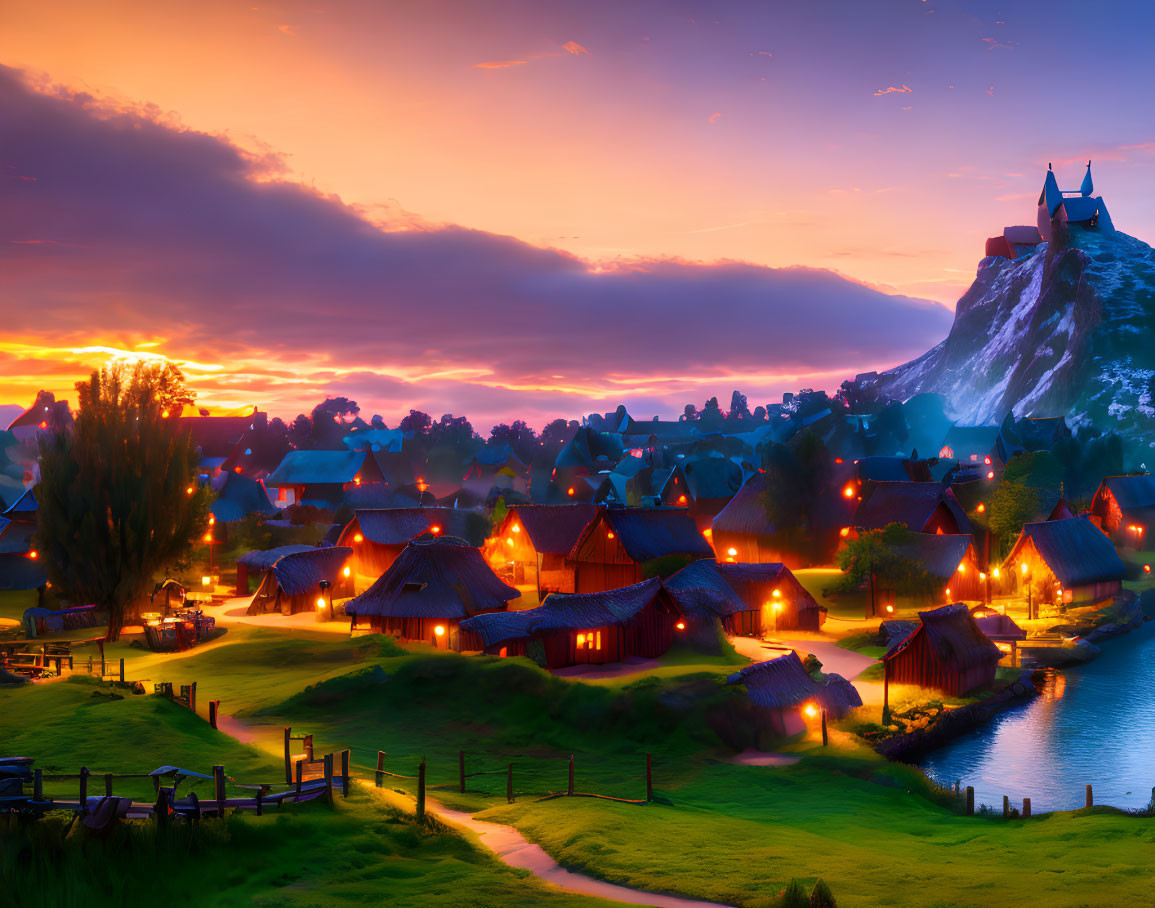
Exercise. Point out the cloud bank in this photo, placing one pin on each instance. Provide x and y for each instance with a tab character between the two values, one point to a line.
121	228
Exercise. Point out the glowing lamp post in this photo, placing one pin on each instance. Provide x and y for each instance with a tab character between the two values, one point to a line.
776	607
326	590
438	633
1025	569
811	710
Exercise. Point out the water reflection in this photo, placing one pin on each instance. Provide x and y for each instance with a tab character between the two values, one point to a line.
1093	725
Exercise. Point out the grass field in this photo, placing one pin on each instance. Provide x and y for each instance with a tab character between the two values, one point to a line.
878	833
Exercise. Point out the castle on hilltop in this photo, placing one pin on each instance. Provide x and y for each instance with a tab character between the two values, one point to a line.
1077	207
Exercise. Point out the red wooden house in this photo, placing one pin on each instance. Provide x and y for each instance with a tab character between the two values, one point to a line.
1069	560
924	507
533	541
428	591
781	690
1124	507
378	536
292	583
782	602
947	652
613	550
583	628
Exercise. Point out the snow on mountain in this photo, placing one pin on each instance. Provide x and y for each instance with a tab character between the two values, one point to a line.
1067	330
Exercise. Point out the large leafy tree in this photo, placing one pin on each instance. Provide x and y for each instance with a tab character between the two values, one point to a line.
114	495
879	553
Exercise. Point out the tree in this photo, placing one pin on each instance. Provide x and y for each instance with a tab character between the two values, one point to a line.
520	437
300	430
114	493
1012	505
416	421
877	552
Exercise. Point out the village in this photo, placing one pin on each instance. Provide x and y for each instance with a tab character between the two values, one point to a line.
435	626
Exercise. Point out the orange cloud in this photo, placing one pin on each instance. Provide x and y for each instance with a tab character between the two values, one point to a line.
892	90
576	49
715	117
499	64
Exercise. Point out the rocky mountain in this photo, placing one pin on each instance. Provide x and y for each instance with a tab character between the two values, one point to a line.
1067	330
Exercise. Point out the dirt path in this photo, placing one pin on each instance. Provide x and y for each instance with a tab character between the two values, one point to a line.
509	845
513	849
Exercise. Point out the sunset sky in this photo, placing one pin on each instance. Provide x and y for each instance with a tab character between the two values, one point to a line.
535	209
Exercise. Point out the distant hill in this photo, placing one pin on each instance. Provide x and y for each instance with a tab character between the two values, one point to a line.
1064	331
9	412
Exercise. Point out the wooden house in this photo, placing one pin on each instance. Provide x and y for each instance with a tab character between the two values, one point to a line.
923	507
257	562
743	533
432	587
1069	561
780	689
614	549
1001	629
1124	506
708	602
321	478
584	628
239	497
20	567
947	652
379	536
782	602
292	583
713	482
951	561
977	447
533	542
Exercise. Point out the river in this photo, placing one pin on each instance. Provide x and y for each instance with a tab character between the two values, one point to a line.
1093	725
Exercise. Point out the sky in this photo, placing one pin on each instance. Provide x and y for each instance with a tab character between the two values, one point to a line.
534	209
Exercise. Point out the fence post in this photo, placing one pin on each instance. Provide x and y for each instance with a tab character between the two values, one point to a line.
970	801
102	664
300	776
219	787
37	785
214	705
649	780
122	670
380	777
345	773
156	784
328	778
1026	807
1090	798
509	784
83	788
260	795
308	745
160	808
108	785
570	790
1006	806
825	740
421	792
288	760
461	769
192	697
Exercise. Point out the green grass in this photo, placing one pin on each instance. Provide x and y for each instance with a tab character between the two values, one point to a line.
366	850
853	605
879	834
14	602
863	642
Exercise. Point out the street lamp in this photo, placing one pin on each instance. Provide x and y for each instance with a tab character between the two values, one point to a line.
327	587
811	710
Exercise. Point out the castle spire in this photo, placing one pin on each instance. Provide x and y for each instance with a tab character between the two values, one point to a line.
1088	187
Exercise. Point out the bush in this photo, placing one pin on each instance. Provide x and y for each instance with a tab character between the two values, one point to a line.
795	895
822	897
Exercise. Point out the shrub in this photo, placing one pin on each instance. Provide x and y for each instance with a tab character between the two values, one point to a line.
822	897
795	895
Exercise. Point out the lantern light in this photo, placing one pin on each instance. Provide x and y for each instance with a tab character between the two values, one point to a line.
515	528
707	532
681	499
320	604
810	710
237	468
948	592
981	508
848	491
982	576
1023	567
439	631
509	541
844	532
890	609
208	537
189	490
995	573
1146	569
33	554
357	537
206	580
962	568
777	594
570	491
346	571
990	474
212	520
609	534
731	552
681	625
987	460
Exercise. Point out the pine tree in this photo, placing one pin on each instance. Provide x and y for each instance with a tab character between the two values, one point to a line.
118	499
